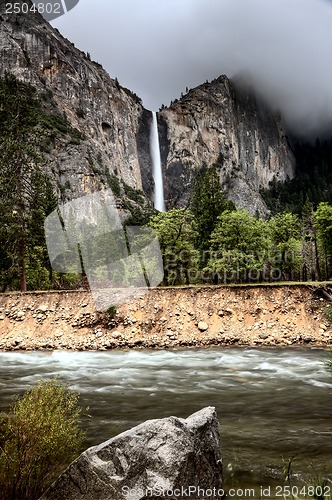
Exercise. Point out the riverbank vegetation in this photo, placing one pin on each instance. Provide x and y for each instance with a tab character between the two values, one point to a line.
39	437
236	247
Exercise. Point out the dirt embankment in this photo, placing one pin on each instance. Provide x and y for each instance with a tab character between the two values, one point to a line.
166	317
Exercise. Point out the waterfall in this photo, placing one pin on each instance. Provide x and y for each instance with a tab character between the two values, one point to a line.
156	165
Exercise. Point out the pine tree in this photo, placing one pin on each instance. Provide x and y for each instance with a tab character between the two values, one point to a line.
207	203
285	233
323	225
311	265
26	195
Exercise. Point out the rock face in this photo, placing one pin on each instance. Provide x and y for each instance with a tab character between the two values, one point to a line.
225	125
111	119
168	454
216	123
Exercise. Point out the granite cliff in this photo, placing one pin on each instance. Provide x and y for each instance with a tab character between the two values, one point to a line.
226	125
109	118
107	144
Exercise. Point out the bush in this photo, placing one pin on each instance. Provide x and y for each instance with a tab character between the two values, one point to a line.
111	311
113	183
39	437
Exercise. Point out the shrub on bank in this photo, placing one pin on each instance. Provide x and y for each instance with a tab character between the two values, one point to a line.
39	437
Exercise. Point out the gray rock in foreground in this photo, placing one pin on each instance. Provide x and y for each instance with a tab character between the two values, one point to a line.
168	454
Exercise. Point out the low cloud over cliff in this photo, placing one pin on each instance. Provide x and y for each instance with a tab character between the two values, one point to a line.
158	48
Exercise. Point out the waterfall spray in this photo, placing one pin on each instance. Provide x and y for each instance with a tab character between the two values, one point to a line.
156	165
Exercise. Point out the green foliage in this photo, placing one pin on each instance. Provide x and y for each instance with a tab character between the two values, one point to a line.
129	92
134	194
176	231
39	437
323	225
56	124
313	179
285	236
207	203
38	276
239	247
113	183
311	265
111	311
26	194
140	207
244	248
211	237
317	488
67	281
238	229
233	246
140	215
284	227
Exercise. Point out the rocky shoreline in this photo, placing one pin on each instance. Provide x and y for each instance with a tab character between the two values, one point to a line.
165	318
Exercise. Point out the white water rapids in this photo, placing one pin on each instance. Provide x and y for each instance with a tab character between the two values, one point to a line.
273	403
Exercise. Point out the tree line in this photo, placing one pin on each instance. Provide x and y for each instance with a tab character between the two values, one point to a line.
213	242
312	181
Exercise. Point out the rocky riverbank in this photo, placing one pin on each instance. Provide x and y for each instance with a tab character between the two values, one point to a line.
167	318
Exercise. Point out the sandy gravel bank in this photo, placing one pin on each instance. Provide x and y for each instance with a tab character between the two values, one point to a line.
167	318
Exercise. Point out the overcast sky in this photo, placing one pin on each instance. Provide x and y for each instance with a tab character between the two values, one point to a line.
157	48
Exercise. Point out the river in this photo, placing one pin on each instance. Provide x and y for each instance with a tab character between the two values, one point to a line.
273	403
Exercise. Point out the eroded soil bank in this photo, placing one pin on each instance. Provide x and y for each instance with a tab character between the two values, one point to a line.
167	317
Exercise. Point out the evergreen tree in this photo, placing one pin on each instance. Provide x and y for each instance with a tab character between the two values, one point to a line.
311	265
313	179
323	224
285	236
26	195
207	203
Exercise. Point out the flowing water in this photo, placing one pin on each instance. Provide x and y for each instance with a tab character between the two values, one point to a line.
159	203
273	403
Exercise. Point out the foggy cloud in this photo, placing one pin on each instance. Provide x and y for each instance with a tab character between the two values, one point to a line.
157	48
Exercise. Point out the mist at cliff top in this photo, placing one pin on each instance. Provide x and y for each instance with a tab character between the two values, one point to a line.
157	48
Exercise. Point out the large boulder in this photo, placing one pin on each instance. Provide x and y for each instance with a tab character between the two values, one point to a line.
173	455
